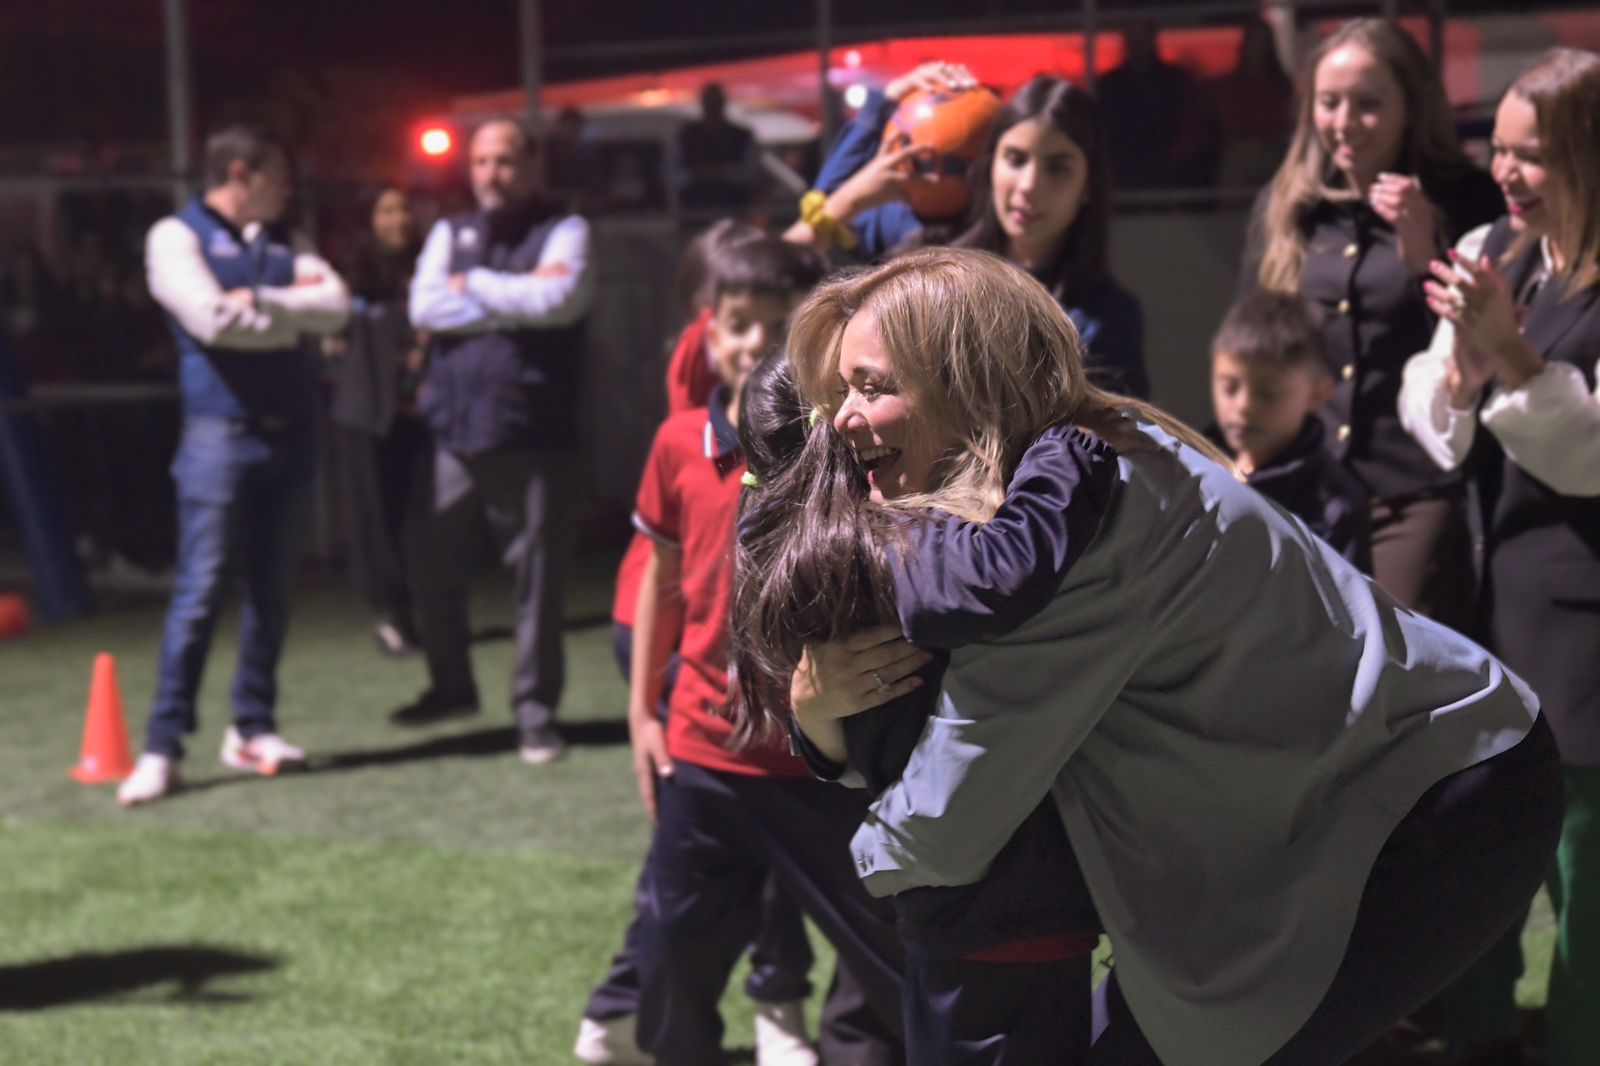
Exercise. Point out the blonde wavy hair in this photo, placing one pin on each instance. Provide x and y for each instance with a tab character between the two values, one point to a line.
984	352
1308	175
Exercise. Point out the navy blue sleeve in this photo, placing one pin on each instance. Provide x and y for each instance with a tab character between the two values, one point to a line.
821	767
958	582
881	228
856	143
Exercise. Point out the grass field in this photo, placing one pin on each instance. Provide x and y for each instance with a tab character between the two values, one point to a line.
414	899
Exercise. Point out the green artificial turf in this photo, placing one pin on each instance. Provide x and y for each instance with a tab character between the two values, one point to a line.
416	898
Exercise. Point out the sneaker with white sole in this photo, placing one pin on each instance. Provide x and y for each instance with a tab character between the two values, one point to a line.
542	746
781	1035
153	777
611	1042
265	754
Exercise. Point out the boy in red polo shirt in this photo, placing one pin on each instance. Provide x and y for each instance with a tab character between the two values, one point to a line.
780	954
725	817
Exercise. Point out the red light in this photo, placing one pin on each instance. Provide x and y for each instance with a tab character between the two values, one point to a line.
435	142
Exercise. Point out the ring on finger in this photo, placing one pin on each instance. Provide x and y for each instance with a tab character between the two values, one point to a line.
877	679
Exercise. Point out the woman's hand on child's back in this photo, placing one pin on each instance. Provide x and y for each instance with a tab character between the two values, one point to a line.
845	677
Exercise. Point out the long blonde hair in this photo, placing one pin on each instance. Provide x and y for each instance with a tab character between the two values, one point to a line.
1564	89
1308	175
986	353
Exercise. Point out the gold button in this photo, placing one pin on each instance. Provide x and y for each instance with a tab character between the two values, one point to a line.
1344	307
1344	434
1349	371
1352	250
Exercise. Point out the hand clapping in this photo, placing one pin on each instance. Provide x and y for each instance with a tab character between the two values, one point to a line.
1477	301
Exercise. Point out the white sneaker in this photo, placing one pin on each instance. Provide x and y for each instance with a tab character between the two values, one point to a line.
153	777
613	1042
781	1035
265	754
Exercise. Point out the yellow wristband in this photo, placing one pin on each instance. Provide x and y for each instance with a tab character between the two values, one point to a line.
814	213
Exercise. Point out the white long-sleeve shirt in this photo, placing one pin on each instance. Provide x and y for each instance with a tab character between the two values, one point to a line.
1549	425
497	300
181	282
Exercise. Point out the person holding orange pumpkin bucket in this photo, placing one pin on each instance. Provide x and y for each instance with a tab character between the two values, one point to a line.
935	159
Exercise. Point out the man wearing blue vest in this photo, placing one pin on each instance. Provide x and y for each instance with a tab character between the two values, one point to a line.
503	291
239	294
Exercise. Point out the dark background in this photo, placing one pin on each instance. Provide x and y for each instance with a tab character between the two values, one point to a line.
93	69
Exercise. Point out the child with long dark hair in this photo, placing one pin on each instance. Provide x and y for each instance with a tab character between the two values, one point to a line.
996	972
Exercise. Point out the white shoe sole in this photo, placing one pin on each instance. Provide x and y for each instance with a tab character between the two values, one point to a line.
140	801
238	761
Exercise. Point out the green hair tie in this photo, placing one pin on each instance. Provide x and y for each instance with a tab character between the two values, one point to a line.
750	480
813	418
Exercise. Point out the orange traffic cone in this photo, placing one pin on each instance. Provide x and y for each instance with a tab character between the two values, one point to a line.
105	735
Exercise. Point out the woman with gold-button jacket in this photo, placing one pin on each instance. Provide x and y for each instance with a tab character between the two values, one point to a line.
1373	188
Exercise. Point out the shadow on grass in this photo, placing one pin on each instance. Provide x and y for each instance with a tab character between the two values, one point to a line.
500	740
482	742
110	975
571	623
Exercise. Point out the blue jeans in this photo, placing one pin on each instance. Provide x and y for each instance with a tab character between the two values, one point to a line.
243	495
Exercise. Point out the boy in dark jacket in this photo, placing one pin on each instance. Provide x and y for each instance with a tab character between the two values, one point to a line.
1269	376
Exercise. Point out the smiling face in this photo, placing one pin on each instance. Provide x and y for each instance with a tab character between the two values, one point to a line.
1039	175
1532	198
745	329
1359	111
880	420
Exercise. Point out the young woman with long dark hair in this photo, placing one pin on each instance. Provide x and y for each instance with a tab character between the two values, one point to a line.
1041	197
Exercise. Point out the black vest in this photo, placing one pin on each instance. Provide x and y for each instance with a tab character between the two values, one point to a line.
1563	330
511	389
1542	600
231	382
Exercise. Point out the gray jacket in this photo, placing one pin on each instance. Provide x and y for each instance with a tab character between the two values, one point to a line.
1231	719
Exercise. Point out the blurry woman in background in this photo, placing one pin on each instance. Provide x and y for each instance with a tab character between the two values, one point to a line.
1373	188
380	441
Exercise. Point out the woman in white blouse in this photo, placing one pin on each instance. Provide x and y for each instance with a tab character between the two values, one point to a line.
1516	353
